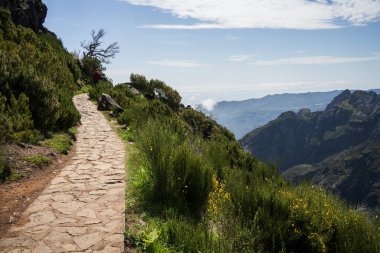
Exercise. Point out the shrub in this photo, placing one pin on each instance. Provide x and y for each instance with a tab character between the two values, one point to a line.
19	114
166	94
39	160
60	142
5	124
89	66
100	88
5	169
28	136
67	115
140	83
37	79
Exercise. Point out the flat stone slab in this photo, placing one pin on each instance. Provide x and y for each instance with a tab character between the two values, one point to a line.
82	210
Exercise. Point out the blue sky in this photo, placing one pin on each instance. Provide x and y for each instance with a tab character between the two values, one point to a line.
212	50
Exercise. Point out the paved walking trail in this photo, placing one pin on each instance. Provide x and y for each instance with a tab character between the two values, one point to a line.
82	210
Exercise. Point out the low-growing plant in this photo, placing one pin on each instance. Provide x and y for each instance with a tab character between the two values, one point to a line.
60	142
28	136
16	176
128	135
39	160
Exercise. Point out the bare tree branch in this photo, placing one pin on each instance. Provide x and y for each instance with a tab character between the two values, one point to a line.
94	49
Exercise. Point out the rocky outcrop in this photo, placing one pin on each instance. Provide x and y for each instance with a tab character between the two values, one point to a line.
106	103
28	13
338	148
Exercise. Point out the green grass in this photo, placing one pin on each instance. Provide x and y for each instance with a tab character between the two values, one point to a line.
128	135
60	142
16	176
39	160
84	89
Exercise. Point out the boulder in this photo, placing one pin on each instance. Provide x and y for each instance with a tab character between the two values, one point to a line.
106	103
28	13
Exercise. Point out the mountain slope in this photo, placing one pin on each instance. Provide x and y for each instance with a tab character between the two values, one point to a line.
337	148
37	75
240	117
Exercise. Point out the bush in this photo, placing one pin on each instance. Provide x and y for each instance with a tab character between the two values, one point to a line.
100	88
67	115
19	114
60	142
166	94
28	136
89	66
39	160
140	83
37	79
5	169
5	124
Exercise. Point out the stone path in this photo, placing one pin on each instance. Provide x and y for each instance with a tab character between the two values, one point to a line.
82	210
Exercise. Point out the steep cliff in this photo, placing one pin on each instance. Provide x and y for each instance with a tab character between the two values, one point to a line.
28	13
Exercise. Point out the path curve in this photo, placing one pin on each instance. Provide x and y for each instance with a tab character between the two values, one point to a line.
83	208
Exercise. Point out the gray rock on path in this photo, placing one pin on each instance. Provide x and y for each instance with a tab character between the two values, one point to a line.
83	208
106	103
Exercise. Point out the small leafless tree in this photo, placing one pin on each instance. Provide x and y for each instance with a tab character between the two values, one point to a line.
94	47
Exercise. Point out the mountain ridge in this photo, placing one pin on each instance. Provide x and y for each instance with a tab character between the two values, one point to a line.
241	117
337	148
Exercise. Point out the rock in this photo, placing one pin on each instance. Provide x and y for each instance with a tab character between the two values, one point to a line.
339	99
28	13
86	241
106	103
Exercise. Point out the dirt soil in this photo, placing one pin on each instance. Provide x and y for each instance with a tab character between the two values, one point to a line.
15	197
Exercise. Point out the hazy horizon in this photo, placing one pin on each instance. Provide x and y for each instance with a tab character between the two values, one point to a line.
239	50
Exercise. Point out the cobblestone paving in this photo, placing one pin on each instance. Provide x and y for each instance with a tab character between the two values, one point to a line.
82	210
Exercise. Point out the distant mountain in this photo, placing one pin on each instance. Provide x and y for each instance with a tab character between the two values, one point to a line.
338	148
240	117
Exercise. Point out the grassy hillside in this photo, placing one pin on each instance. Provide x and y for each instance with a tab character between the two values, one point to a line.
37	82
199	191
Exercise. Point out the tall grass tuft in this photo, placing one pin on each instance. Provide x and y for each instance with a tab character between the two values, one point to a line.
178	173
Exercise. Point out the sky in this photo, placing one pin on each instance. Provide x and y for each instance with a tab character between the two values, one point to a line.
214	50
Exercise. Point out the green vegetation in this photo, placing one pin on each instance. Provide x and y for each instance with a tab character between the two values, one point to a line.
38	79
201	192
60	142
39	160
16	176
5	169
37	82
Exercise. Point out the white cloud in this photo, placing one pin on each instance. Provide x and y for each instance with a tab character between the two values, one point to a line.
209	104
315	60
179	63
290	14
239	58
